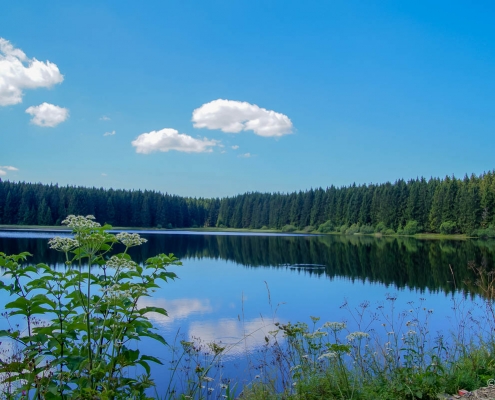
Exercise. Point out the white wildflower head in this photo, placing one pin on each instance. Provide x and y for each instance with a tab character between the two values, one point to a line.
208	379
330	354
79	222
357	335
335	326
63	244
130	239
119	262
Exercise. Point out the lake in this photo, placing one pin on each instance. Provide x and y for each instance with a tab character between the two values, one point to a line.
237	284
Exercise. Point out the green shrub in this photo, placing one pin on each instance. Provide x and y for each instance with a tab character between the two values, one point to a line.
354	228
448	227
343	228
288	228
380	228
485	233
389	232
366	229
309	228
326	227
412	227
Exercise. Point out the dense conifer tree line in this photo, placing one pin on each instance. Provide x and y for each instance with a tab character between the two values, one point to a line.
448	205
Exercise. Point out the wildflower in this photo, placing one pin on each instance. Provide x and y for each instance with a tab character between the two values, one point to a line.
80	222
130	239
410	332
335	326
63	244
391	333
223	386
210	390
208	379
330	354
357	335
119	262
257	377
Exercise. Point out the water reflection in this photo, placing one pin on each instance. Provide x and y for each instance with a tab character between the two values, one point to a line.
177	309
402	262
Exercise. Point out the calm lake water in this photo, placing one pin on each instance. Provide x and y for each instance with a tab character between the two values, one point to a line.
235	284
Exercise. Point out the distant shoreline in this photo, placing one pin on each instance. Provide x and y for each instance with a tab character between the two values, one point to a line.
420	236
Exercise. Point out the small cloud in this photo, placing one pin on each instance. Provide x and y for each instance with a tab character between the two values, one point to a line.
18	72
223	152
9	168
103	174
109	133
235	147
236	116
5	168
170	139
48	115
245	155
104	118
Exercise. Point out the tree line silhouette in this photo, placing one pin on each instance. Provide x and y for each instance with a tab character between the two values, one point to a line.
448	205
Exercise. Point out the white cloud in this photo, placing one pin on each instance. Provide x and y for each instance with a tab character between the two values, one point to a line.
104	118
235	147
239	337
109	133
170	139
9	168
5	168
236	116
48	115
103	174
17	72
245	155
176	309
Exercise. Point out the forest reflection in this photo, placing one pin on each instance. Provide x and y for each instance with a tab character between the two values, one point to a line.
403	262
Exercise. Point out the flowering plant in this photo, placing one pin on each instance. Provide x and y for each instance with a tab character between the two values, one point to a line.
82	322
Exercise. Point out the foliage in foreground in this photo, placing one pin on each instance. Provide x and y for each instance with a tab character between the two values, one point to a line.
82	323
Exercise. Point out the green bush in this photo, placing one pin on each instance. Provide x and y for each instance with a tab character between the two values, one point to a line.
354	228
380	228
485	233
412	227
343	228
448	227
389	232
366	229
288	228
308	229
326	227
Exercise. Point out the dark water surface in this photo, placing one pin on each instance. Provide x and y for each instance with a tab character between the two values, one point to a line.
232	284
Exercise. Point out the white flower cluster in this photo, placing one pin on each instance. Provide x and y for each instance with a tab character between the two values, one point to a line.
330	354
80	222
121	263
315	334
335	326
130	239
63	244
357	335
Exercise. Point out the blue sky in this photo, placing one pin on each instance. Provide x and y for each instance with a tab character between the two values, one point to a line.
313	93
